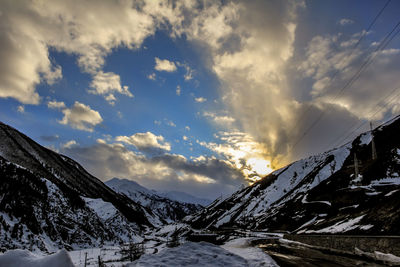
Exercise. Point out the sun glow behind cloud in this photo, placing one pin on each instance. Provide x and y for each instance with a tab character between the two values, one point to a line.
243	152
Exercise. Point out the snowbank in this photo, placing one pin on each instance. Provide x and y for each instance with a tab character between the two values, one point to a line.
22	258
254	256
192	254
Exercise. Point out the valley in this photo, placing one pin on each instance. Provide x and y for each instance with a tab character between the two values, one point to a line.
311	212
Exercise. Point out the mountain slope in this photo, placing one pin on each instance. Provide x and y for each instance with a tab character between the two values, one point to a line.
165	208
320	194
184	197
63	172
48	201
37	214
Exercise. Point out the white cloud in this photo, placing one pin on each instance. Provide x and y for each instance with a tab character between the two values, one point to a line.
164	65
106	84
185	138
248	45
189	72
151	76
145	141
324	57
56	104
250	58
219	119
81	117
69	144
21	109
187	128
178	90
345	21
31	28
200	99
243	152
169	123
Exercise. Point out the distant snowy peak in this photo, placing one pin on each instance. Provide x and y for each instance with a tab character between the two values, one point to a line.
125	185
167	209
184	197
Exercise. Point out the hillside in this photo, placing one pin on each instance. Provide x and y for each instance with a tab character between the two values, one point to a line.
48	201
167	209
320	194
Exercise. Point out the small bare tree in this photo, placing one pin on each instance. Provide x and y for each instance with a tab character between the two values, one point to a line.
132	251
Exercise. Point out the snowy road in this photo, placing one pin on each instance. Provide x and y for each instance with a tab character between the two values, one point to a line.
237	252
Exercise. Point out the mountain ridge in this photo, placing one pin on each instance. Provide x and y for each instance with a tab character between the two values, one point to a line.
320	194
18	148
167	209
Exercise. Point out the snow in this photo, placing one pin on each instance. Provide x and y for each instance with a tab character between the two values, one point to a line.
386	257
391	193
306	224
132	188
125	185
372	193
22	258
108	254
104	210
366	227
365	138
350	207
386	181
254	256
185	198
163	209
192	254
339	227
304	201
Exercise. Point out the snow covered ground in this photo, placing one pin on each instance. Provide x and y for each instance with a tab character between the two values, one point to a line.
237	252
24	258
111	256
254	256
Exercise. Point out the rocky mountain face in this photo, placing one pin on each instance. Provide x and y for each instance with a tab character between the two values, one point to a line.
48	201
321	194
165	208
63	172
36	213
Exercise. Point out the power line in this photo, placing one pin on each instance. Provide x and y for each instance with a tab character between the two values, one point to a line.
364	33
381	102
343	139
388	38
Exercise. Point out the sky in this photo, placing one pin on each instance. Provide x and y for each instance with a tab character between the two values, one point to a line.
194	95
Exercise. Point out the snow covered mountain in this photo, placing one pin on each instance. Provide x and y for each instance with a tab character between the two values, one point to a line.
321	194
184	197
167	209
48	201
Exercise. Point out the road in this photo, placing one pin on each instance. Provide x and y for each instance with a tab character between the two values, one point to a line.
293	254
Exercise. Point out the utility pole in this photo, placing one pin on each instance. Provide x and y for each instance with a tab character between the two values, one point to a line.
355	166
85	259
374	155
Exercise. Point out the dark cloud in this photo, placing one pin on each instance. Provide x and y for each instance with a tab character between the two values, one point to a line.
208	177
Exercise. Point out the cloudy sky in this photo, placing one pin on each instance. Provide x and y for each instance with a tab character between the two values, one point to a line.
192	95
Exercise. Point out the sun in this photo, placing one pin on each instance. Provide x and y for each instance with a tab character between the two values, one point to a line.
261	166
